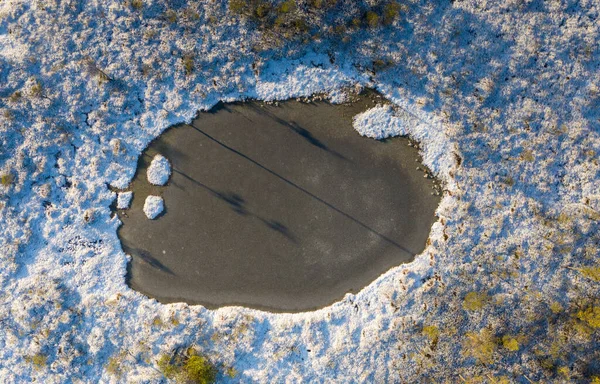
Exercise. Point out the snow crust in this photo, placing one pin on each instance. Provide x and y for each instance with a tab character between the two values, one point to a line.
124	199
153	206
503	97
379	123
159	170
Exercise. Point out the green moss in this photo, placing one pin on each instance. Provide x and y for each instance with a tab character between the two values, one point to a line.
431	331
318	4
591	316
36	89
475	301
114	366
372	19
137	4
15	96
556	308
231	372
237	6
192	368
287	6
480	345
188	64
6	179
391	12
39	360
165	366
262	10
199	370
171	16
510	343
592	273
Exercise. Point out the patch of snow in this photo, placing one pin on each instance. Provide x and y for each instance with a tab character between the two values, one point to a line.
153	206
124	199
159	170
379	123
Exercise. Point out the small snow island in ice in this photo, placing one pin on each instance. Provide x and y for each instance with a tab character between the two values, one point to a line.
153	206
284	207
159	170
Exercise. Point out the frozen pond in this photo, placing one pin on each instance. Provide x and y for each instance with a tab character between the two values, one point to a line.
284	208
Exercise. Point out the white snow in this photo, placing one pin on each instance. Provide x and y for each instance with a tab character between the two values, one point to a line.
124	199
379	123
153	206
502	95
159	170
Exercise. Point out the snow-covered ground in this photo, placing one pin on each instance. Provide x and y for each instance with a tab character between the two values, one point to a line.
503	96
124	199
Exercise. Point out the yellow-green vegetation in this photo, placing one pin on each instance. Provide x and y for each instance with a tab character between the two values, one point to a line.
293	19
36	89
592	273
6	179
137	4
38	360
188	64
480	345
510	343
15	96
596	380
231	372
590	316
372	19
287	6
237	6
391	12
114	366
432	332
556	308
475	301
188	368
171	16
564	371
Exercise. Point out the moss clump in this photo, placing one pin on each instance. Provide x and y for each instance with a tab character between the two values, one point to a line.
475	301
262	10
137	4
6	179
372	19
36	89
590	316
391	12
510	343
481	346
287	6
592	273
237	6
39	360
188	64
15	96
188	368
432	332
171	16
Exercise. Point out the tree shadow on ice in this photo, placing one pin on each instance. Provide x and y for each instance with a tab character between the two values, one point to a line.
297	129
299	188
238	204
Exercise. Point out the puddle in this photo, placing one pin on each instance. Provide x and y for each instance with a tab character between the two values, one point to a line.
283	208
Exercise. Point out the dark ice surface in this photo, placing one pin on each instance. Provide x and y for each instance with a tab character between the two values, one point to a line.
282	208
